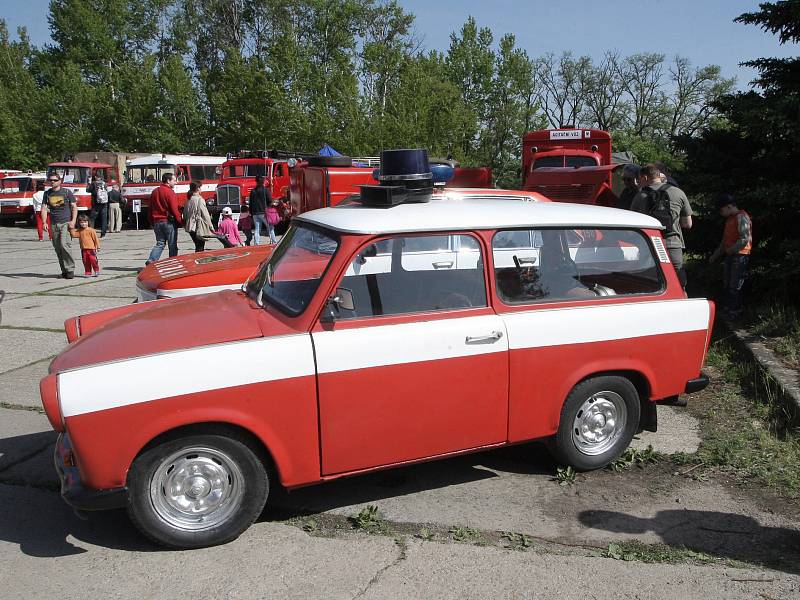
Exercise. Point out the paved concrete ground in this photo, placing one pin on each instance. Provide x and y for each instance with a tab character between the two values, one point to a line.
46	551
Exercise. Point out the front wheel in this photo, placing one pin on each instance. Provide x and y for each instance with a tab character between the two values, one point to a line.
197	491
598	421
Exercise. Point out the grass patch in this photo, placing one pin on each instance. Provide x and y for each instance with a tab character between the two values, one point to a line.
565	476
370	520
655	553
746	429
640	458
780	323
466	535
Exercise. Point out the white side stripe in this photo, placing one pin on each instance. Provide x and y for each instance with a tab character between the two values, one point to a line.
170	374
558	327
365	347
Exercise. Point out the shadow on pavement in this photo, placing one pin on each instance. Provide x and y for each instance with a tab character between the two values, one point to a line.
527	459
729	535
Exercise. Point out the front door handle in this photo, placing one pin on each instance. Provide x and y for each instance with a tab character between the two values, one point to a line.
484	339
443	265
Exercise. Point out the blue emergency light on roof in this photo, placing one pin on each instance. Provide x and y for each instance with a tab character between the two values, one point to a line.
442	173
405	176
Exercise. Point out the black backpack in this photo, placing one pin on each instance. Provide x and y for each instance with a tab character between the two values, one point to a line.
658	206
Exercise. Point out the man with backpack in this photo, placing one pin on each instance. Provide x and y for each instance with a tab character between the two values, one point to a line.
99	190
668	204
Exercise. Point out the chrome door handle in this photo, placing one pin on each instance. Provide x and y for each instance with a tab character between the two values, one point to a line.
443	265
484	339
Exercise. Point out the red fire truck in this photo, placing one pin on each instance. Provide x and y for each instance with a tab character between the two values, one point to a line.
569	165
238	177
16	197
323	181
75	177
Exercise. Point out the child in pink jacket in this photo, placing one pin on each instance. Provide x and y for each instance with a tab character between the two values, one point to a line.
228	228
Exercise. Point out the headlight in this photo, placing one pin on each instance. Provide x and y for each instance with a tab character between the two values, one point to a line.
211	201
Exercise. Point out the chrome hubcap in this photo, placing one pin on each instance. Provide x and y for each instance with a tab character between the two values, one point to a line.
196	488
599	422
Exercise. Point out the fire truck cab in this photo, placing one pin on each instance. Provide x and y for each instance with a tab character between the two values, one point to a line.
75	176
238	177
569	165
16	197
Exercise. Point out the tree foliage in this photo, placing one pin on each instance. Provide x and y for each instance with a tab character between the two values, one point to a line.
222	75
754	150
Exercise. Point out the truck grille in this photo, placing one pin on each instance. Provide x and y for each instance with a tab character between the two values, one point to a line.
229	195
581	191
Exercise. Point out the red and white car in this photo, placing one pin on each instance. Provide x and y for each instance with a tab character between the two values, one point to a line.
228	269
371	338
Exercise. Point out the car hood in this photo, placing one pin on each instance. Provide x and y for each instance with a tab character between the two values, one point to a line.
225	266
164	326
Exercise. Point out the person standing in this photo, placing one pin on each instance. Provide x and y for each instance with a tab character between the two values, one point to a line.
90	246
668	204
38	199
197	220
260	200
165	217
737	241
114	208
60	207
227	227
99	190
246	224
630	179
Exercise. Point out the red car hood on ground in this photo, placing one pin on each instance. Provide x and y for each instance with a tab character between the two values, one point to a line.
158	327
189	274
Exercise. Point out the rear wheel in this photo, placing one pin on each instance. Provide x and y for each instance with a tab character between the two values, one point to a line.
197	491
598	421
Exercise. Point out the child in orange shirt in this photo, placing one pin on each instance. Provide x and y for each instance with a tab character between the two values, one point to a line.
90	246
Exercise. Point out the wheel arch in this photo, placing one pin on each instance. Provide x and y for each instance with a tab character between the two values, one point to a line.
223	428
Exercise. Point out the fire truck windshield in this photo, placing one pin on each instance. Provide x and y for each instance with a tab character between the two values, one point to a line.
149	173
12	185
71	174
565	161
247	170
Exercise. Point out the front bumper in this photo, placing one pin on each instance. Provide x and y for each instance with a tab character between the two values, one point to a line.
72	489
695	385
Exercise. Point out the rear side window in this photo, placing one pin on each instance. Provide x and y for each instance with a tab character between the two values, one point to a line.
416	274
569	264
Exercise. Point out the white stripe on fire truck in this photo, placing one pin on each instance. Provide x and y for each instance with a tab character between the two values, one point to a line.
146	378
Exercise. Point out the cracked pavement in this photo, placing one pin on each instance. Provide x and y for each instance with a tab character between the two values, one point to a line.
46	551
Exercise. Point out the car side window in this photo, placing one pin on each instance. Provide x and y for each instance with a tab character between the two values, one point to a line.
571	264
412	274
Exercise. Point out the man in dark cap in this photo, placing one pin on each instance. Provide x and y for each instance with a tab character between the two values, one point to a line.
737	241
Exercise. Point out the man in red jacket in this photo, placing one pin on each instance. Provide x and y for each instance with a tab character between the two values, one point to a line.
165	217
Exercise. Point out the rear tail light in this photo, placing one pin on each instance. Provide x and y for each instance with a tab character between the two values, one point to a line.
72	327
48	388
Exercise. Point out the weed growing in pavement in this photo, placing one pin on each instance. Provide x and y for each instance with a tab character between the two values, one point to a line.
425	534
466	534
370	520
565	476
654	553
632	456
518	541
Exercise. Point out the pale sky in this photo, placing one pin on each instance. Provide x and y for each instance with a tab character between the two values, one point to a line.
701	30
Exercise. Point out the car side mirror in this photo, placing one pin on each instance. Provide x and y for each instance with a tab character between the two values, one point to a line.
342	299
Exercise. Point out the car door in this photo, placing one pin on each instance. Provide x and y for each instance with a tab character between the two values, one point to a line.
417	367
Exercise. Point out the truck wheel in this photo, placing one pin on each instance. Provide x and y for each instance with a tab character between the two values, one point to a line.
330	161
598	421
196	491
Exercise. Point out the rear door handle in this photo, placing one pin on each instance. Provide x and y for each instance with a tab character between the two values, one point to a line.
443	265
484	339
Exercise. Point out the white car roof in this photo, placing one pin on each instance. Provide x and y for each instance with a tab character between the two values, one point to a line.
465	213
27	176
175	159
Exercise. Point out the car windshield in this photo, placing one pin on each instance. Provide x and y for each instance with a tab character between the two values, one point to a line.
148	173
291	276
251	170
70	174
565	161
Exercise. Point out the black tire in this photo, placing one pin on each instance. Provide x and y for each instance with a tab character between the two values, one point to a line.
211	459
330	161
599	398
